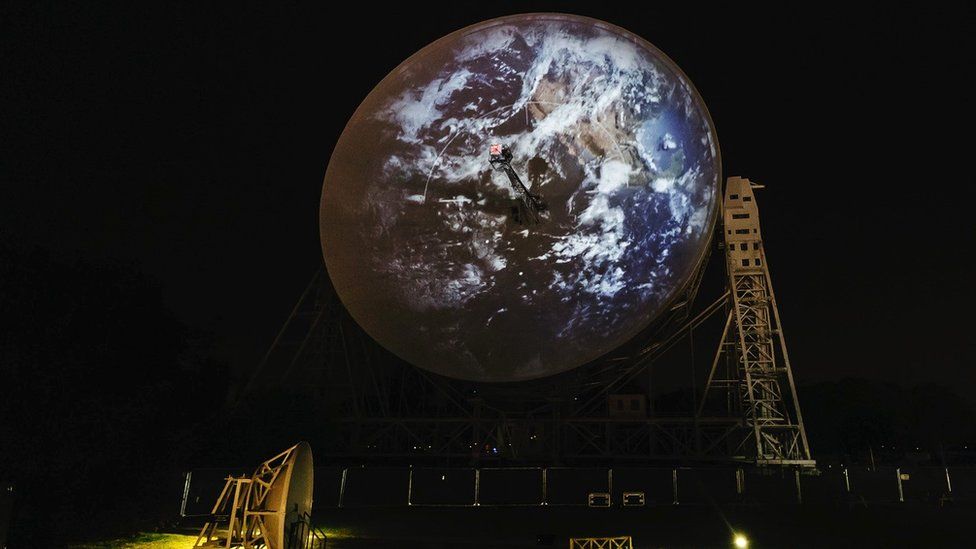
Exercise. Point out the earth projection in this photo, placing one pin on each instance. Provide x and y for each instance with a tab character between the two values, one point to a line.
418	230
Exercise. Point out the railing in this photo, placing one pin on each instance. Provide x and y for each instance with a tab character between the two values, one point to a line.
304	535
484	487
621	542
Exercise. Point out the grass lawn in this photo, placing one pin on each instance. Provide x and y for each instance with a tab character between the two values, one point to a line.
144	541
171	541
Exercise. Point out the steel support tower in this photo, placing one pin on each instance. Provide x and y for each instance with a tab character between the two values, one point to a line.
757	383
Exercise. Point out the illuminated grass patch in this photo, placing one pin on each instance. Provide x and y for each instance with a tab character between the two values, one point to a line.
144	541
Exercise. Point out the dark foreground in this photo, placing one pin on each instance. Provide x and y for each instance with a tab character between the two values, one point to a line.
669	526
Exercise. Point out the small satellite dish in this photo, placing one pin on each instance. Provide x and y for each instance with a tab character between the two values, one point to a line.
280	498
271	508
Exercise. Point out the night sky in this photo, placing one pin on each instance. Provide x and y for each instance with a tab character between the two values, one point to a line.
191	143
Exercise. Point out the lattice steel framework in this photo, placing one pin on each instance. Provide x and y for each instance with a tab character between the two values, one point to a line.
758	381
622	542
380	409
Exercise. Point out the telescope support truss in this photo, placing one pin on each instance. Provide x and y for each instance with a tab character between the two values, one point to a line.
379	410
758	380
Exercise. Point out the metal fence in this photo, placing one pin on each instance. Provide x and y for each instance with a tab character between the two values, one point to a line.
616	486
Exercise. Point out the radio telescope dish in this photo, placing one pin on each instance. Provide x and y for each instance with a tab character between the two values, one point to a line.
281	496
271	508
520	197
